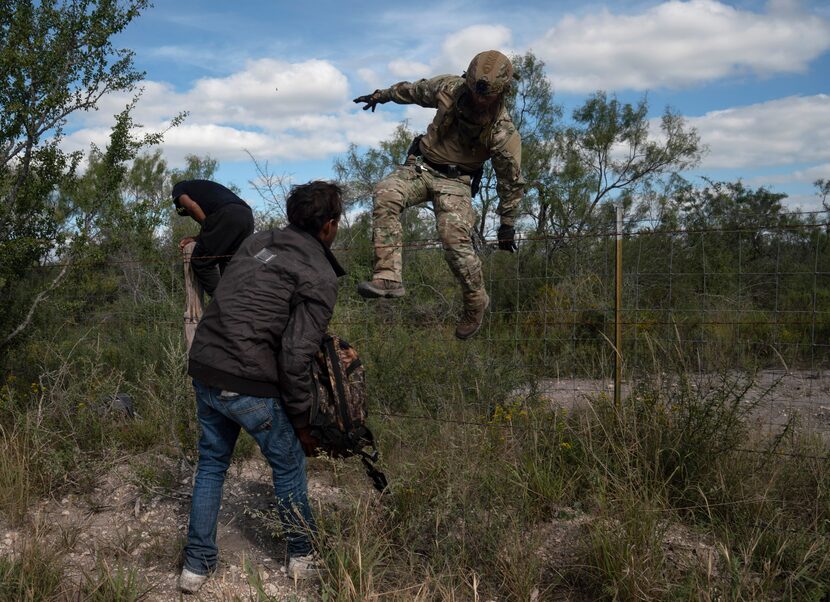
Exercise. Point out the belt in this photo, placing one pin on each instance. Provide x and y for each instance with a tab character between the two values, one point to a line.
451	171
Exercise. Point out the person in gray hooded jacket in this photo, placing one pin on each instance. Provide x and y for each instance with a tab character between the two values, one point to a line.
251	367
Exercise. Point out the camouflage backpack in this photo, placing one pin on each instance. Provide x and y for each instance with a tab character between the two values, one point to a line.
340	406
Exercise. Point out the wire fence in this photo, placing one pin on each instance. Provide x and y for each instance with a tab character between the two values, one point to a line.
577	315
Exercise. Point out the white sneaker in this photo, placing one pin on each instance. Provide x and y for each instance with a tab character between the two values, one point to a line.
190	582
304	567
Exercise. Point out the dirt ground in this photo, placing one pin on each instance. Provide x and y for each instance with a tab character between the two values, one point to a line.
127	523
114	525
780	395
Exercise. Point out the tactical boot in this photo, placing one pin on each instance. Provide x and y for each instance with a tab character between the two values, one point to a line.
471	317
380	287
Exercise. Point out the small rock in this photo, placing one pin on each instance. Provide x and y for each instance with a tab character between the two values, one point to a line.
272	590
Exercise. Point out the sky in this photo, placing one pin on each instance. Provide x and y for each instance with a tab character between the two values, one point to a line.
275	80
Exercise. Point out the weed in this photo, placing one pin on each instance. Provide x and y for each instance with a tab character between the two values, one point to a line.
33	572
355	552
256	583
113	584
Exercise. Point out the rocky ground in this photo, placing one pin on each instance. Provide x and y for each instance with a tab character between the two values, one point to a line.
114	526
129	521
123	523
780	395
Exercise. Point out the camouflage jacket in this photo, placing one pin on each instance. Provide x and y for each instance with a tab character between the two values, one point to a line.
459	136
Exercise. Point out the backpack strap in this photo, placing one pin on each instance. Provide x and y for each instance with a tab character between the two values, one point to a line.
353	366
339	378
378	478
366	437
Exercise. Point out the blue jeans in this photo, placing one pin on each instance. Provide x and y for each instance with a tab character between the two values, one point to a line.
221	416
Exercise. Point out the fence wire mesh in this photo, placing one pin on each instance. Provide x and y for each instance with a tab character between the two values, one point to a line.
748	303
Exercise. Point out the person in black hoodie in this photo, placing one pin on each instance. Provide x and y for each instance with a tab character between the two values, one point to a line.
251	367
226	221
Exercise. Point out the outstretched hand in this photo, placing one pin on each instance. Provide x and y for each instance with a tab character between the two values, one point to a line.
372	100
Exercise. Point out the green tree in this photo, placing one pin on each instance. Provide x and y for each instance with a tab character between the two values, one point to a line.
56	59
146	191
196	168
731	206
272	189
823	191
537	119
359	172
735	239
104	214
607	153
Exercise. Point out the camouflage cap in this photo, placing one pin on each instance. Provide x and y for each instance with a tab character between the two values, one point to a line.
489	72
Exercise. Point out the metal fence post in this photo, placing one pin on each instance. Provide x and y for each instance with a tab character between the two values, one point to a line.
618	307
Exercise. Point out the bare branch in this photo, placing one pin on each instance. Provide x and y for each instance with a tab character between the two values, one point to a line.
37	300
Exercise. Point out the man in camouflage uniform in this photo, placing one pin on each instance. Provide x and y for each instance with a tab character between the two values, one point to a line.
471	126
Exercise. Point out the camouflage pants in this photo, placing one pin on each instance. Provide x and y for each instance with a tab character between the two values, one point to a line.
454	214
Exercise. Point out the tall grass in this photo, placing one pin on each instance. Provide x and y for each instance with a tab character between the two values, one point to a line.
34	571
482	466
479	472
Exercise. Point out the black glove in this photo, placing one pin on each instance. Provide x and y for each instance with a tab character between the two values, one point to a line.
371	100
506	237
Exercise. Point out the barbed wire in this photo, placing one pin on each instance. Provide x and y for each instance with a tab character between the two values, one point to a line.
509	425
572	321
140	318
435	243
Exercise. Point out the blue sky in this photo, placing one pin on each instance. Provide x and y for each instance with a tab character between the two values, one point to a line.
276	79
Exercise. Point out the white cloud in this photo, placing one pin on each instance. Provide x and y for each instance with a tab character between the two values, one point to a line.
460	47
786	131
370	78
811	174
80	140
800	202
410	70
804	176
367	129
218	141
267	93
418	118
272	109
268	90
676	44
